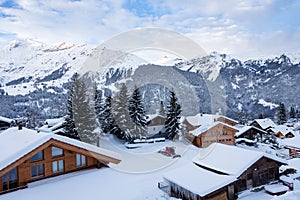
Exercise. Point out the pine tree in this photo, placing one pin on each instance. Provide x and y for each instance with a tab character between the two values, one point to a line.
297	114
109	125
162	111
99	108
281	114
121	114
172	124
137	114
69	123
292	113
84	117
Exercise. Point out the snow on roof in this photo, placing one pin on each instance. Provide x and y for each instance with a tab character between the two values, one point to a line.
276	188
205	127
217	157
150	117
283	129
201	119
7	120
228	118
292	142
198	180
265	123
16	143
52	122
246	128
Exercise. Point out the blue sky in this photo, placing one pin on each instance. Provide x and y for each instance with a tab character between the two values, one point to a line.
244	29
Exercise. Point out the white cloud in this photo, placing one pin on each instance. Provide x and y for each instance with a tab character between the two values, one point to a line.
245	28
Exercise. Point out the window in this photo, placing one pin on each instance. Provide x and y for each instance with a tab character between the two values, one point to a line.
56	152
224	132
58	166
80	160
37	170
10	179
37	157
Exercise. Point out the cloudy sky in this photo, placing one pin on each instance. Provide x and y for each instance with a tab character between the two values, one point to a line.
243	29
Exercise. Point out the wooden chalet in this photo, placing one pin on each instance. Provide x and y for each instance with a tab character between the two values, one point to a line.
282	131
28	156
249	132
218	132
5	123
191	182
155	123
251	168
227	120
293	145
264	124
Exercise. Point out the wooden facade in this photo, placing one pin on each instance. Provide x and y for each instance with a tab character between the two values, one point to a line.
261	172
156	121
227	120
219	133
252	132
73	158
224	193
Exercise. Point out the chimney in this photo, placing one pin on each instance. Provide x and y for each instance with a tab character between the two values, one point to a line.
20	126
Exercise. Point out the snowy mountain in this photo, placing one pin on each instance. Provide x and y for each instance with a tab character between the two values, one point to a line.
35	77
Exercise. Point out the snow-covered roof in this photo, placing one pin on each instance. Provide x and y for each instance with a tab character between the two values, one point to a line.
228	118
52	122
7	120
205	127
150	117
230	159
283	129
292	142
265	123
198	180
200	119
244	129
16	143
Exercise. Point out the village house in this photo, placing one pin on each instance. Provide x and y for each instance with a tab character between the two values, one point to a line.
249	132
293	146
221	172
264	124
251	168
191	182
217	132
5	123
28	156
55	125
155	124
282	131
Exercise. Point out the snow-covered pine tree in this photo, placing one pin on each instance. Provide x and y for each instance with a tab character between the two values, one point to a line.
172	124
109	125
84	117
292	113
297	114
121	114
137	114
281	114
99	108
69	123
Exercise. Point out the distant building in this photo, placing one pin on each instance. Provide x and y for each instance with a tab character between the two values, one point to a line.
155	123
264	124
5	123
28	156
249	132
204	129
282	131
218	132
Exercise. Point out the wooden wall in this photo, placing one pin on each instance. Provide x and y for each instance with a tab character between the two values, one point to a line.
215	134
261	172
69	157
